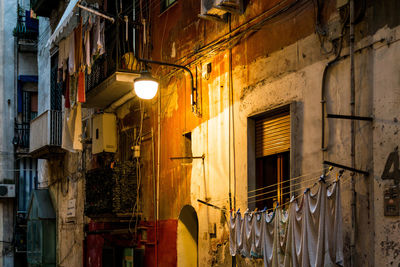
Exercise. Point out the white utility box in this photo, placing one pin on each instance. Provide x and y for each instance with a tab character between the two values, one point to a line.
7	190
104	133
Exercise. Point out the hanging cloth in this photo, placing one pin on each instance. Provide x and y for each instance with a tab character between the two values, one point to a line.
72	129
87	50
310	234
81	87
232	234
66	92
101	44
256	245
78	47
71	54
61	55
247	226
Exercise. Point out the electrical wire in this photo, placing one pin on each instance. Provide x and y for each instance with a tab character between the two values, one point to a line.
291	179
343	181
327	178
285	187
300	189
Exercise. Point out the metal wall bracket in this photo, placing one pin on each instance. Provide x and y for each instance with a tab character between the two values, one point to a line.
198	157
345	167
348	117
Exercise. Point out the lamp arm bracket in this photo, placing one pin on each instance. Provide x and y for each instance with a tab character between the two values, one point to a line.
171	65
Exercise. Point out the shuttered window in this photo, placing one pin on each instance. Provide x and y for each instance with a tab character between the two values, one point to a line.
272	135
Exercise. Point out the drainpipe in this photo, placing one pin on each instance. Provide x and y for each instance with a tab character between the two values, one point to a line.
119	102
353	139
154	195
158	168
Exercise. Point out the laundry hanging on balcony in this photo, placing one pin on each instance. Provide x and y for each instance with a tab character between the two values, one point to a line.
72	129
309	234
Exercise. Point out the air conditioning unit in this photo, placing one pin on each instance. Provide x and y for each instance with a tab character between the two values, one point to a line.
218	8
104	133
7	190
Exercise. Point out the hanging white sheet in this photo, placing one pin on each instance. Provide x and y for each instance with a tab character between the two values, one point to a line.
310	234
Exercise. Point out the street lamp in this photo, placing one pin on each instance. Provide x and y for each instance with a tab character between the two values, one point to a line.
146	86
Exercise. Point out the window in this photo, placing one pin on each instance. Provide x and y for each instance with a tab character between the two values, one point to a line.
269	159
166	3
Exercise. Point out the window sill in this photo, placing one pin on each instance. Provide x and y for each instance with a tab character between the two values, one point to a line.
168	8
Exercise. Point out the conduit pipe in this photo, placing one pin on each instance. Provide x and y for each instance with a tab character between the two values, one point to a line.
353	138
119	102
158	168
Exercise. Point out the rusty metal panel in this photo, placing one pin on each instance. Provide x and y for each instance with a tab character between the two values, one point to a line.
272	135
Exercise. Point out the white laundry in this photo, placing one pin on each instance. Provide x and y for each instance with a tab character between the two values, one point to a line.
310	234
72	129
71	54
247	232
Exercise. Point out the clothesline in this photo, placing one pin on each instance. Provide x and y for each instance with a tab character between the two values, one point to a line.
300	195
293	199
293	178
285	187
309	233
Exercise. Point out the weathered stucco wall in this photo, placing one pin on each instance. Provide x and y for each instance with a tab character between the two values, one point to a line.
284	68
280	64
8	19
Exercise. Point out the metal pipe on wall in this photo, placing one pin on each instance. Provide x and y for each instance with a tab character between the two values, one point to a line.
154	193
353	139
158	166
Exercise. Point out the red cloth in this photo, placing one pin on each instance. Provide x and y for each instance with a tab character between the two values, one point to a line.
81	87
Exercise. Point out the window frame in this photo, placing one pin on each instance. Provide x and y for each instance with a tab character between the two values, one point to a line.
166	4
251	148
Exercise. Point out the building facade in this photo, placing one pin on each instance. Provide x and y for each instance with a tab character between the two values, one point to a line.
273	94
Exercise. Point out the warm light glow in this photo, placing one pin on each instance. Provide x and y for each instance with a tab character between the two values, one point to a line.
145	88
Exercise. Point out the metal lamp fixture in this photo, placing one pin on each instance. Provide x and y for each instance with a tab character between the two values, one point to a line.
146	86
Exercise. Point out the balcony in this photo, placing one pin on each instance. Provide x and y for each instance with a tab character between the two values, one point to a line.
44	7
21	138
111	192
112	74
26	31
45	134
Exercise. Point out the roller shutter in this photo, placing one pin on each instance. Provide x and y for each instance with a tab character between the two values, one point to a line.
272	135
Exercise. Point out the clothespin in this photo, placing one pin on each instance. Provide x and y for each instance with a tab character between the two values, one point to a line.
341	173
264	209
238	211
307	189
322	178
255	210
247	211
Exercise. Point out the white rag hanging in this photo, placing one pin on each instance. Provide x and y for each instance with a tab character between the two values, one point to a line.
310	234
72	129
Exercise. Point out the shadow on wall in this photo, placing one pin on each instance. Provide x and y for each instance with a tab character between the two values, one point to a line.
187	240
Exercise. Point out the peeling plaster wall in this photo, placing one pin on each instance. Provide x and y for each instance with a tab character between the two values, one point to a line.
294	74
8	19
386	90
282	64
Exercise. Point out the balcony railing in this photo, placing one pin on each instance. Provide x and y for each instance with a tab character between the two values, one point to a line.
45	134
21	138
112	74
27	28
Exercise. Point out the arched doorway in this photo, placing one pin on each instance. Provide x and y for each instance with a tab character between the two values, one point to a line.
187	241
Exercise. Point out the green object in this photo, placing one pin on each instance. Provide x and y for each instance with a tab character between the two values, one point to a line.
127	260
41	236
